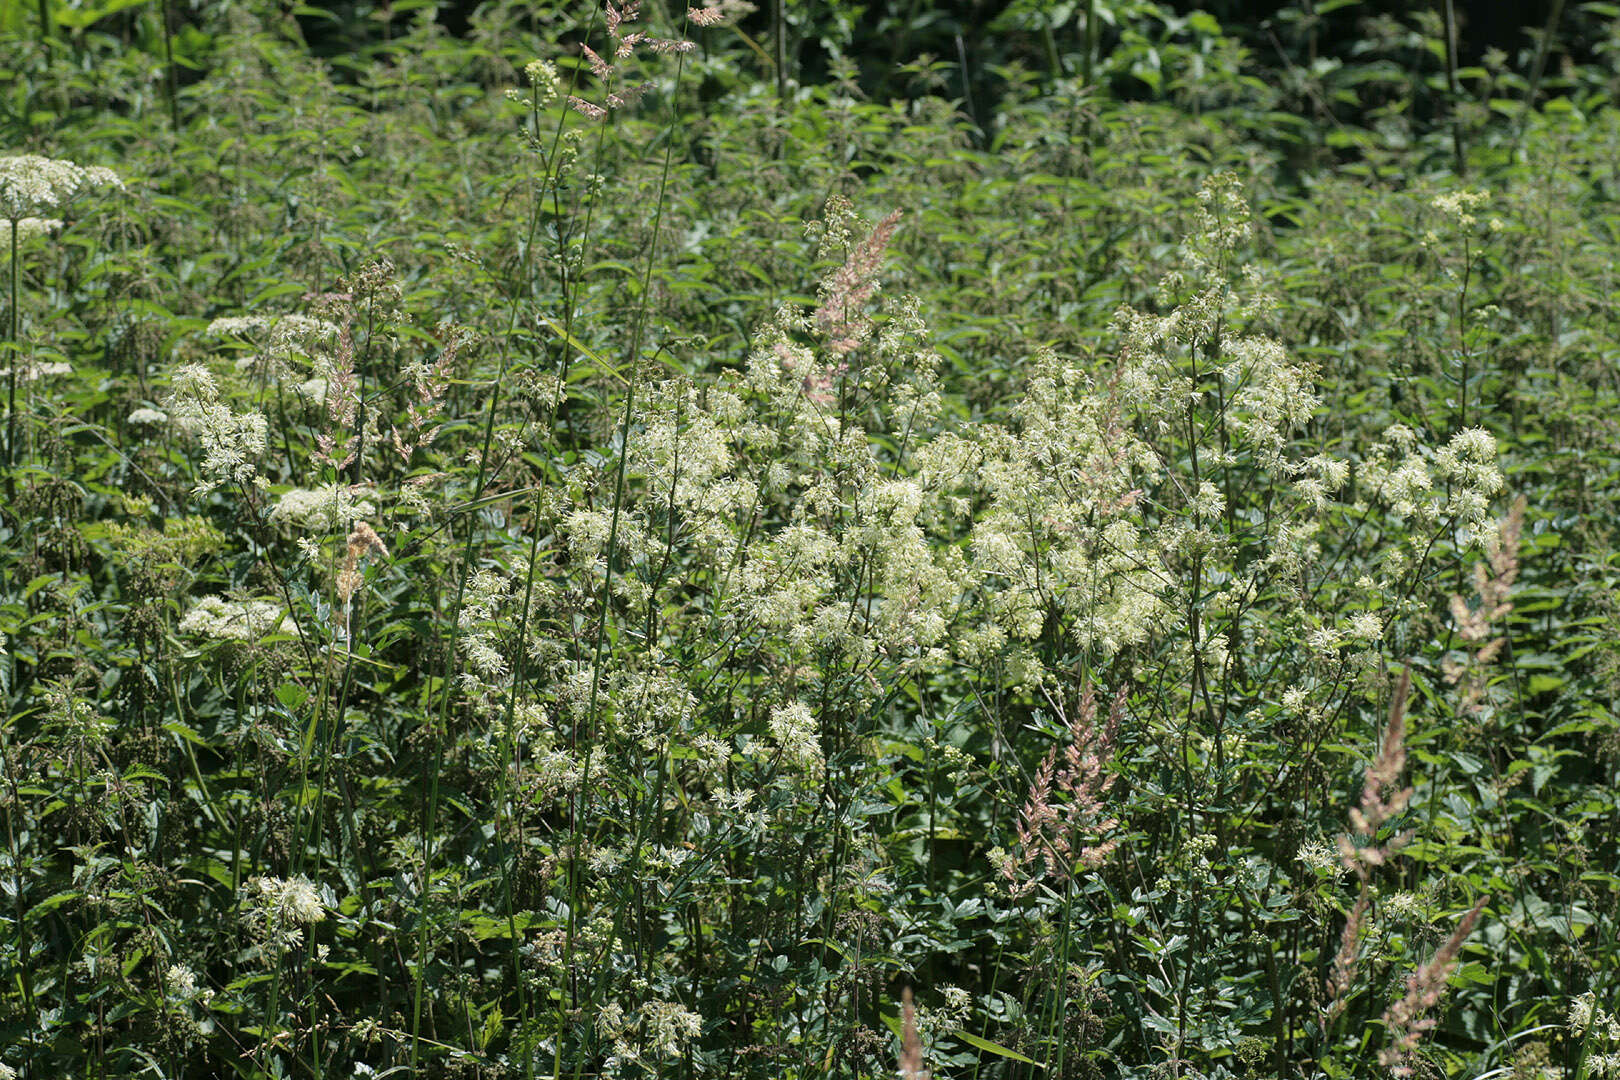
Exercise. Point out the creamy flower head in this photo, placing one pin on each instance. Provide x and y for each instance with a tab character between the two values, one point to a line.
32	186
294	898
237	620
232	442
1460	205
30	227
668	1027
324	508
181	984
278	909
43	369
282	332
795	730
542	76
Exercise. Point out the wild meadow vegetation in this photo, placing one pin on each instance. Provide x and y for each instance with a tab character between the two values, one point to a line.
640	543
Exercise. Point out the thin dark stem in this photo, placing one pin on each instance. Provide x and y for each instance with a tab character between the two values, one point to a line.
171	83
1459	147
779	18
1088	67
436	768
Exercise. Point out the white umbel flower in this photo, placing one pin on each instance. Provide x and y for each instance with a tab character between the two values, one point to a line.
236	620
32	186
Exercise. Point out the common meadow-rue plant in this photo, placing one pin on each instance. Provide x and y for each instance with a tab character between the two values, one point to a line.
485	596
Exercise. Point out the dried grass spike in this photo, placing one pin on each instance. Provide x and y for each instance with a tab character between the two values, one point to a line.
911	1055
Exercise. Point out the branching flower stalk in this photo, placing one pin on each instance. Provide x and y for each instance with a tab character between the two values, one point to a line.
625	42
13	360
440	724
32	187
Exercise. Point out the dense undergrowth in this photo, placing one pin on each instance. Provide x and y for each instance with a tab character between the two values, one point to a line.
497	585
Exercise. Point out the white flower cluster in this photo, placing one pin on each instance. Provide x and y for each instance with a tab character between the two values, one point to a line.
29	227
950	1015
31	186
323	509
543	78
667	1027
285	331
231	442
181	986
278	909
39	369
1402	474
487	589
1599	1029
143	416
664	1029
237	620
1461	205
796	732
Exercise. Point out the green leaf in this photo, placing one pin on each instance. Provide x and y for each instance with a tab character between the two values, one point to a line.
1541	684
82	19
995	1048
191	735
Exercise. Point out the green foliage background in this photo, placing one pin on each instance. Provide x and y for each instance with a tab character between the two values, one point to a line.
692	700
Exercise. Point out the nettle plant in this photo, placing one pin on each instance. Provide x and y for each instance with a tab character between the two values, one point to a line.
728	620
772	570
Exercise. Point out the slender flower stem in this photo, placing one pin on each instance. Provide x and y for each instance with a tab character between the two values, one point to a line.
611	551
13	361
430	816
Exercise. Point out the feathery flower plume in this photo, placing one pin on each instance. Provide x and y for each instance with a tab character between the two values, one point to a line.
911	1055
617	16
599	67
624	44
432	382
1408	1019
585	108
1344	963
841	307
1065	834
363	541
721	12
1374	810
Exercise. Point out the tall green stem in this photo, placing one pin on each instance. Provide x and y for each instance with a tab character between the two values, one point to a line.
440	723
633	355
14	348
